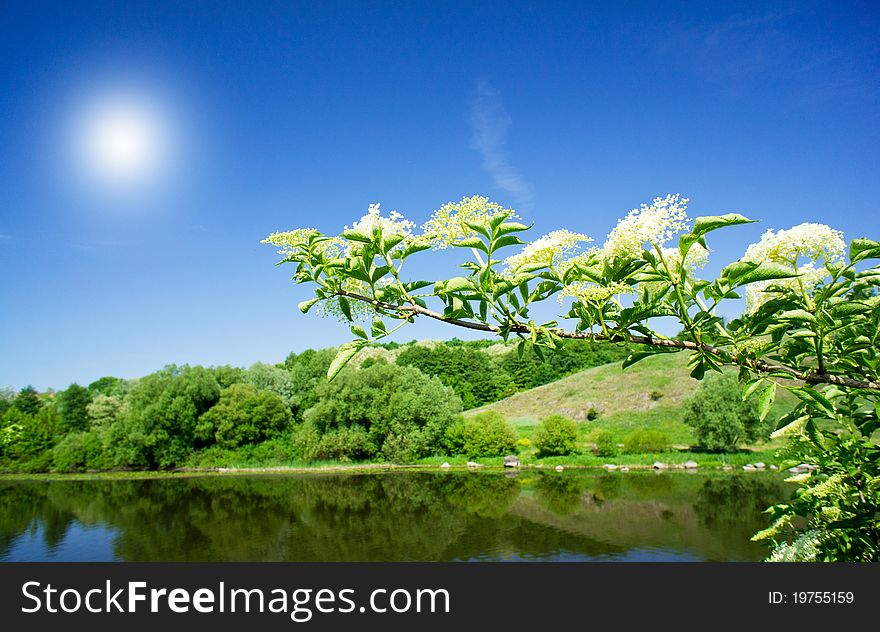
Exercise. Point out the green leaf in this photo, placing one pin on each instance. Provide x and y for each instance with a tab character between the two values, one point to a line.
356	235
305	306
378	329
392	240
765	400
708	223
343	356
632	358
479	227
507	240
345	306
764	271
861	249
472	242
455	284
414	248
358	331
798	316
510	227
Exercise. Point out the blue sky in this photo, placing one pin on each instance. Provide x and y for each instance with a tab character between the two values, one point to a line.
289	114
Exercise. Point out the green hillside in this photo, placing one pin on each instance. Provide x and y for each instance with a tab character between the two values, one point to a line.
649	394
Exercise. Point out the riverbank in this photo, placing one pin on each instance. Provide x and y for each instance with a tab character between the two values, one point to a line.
673	461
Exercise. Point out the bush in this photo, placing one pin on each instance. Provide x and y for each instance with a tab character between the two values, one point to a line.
244	415
720	418
556	435
400	409
645	440
485	434
606	444
79	451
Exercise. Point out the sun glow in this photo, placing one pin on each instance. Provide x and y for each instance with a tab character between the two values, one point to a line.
122	142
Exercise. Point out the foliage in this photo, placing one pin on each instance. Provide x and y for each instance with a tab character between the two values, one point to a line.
269	378
243	415
811	324
484	434
556	435
404	412
606	444
470	373
28	401
720	418
79	451
104	410
645	440
158	427
73	404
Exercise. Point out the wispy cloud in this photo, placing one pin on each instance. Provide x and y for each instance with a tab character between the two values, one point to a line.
490	124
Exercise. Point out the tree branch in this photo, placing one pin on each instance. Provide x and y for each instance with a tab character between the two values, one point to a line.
759	366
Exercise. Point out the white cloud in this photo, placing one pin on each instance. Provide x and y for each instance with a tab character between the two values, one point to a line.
490	124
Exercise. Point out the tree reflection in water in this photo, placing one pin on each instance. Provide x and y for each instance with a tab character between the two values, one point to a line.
397	516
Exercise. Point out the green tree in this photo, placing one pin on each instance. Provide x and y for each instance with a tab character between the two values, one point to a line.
107	385
158	426
404	412
28	400
73	406
556	435
277	380
485	434
720	418
244	415
104	410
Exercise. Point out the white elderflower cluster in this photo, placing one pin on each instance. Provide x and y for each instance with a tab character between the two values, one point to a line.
804	548
552	249
392	225
809	241
812	241
591	293
654	223
448	225
292	241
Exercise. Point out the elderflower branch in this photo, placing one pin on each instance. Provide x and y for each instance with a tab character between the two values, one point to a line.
760	366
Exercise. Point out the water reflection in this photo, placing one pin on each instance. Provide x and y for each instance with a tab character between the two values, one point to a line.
397	516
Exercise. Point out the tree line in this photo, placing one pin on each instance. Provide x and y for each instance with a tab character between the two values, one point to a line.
398	405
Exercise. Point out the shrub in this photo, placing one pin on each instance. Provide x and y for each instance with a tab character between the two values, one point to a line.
656	396
485	434
79	451
556	435
592	413
606	444
401	409
244	415
719	416
645	440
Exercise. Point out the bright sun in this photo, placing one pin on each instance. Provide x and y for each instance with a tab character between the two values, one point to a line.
121	142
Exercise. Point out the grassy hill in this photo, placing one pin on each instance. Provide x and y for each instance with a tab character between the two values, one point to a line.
650	394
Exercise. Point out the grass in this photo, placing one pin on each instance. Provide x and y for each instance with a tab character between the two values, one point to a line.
651	394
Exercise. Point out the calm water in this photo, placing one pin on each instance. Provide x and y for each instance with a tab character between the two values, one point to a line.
526	516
